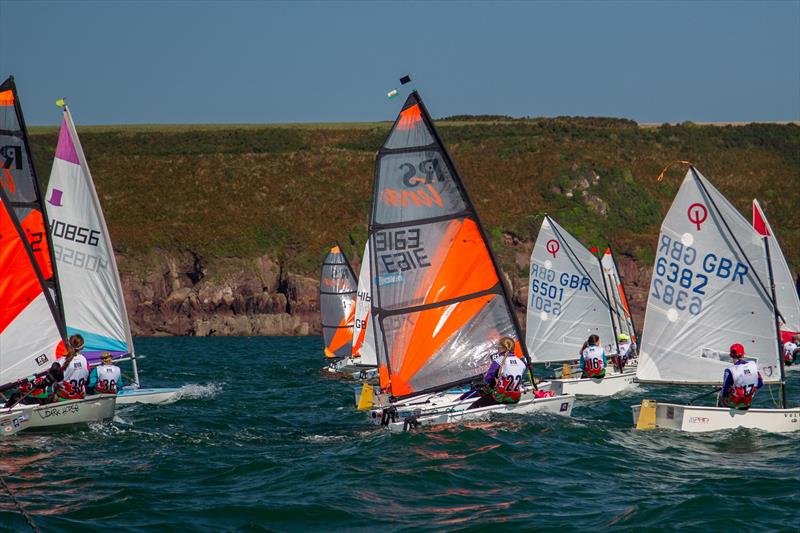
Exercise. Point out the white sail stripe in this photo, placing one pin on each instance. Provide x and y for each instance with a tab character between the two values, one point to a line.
30	335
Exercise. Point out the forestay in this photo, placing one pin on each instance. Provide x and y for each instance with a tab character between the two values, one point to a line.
94	305
363	332
616	292
785	290
18	179
438	304
337	290
708	291
29	330
566	297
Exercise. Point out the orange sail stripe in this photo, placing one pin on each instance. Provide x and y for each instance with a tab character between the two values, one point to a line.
409	117
432	329
6	98
19	285
358	342
383	377
343	335
33	226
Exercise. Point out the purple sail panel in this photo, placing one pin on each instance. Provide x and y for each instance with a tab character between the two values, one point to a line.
66	148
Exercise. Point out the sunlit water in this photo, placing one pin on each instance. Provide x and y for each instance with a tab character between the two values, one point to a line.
261	440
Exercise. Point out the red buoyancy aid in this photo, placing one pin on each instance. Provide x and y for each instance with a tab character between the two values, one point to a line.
65	391
35	389
593	362
508	386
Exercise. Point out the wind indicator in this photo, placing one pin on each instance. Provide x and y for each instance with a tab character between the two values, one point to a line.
405	79
61	102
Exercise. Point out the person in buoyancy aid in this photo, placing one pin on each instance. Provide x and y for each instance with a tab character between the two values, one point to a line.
740	381
502	382
593	359
105	378
791	351
37	391
76	374
625	351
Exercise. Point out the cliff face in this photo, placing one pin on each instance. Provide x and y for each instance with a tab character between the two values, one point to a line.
220	230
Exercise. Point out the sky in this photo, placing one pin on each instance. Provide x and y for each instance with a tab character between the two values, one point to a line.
276	62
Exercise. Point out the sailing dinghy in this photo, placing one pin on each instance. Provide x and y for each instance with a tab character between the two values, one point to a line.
712	286
32	332
568	300
439	306
93	302
785	290
337	304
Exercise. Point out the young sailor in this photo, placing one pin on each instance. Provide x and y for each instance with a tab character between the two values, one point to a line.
740	382
625	351
502	382
791	350
105	378
593	359
76	373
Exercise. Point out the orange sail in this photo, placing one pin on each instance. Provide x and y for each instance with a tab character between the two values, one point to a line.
337	291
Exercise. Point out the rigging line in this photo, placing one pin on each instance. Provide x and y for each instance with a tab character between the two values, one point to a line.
574	259
18	505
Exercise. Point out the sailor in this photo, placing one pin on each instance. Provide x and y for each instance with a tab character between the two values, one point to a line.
502	382
105	378
790	350
76	373
593	359
39	390
625	351
740	381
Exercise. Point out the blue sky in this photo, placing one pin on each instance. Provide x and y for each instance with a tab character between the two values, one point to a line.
255	62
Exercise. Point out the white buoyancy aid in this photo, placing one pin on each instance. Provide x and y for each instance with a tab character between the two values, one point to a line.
745	375
593	360
108	378
77	372
624	348
788	349
512	368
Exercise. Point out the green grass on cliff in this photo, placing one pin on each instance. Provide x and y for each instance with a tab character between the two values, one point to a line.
290	190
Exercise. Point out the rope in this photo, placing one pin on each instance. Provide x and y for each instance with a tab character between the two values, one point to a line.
671	164
20	508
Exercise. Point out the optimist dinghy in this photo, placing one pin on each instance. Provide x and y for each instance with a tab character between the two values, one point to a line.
712	286
568	300
32	331
439	306
785	289
93	302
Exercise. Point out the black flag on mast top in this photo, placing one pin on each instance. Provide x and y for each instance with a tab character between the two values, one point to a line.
405	79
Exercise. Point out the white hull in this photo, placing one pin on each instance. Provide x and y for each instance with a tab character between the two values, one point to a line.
92	409
349	366
699	419
608	386
561	405
15	421
152	396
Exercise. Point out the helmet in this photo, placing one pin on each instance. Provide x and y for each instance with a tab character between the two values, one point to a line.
737	350
623	337
506	344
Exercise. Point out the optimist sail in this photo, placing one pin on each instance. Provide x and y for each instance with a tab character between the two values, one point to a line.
785	290
337	290
91	290
363	332
709	290
31	336
439	306
18	180
622	314
566	297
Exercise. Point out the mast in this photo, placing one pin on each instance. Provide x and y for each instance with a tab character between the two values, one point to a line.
625	297
611	311
777	326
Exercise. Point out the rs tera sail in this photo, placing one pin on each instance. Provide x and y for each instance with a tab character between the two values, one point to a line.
18	180
337	290
31	336
785	292
709	290
91	290
439	306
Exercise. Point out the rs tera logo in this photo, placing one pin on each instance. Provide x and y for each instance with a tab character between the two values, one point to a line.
427	169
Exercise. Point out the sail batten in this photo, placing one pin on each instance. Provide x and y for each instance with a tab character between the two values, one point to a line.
707	292
439	304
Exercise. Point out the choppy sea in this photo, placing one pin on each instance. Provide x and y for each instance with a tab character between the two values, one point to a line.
263	441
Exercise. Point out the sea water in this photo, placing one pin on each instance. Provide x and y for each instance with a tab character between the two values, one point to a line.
263	441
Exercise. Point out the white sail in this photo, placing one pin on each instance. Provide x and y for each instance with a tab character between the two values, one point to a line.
708	291
622	315
785	289
566	297
93	302
363	332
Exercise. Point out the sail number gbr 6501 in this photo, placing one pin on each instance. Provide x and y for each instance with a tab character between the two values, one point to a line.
547	288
